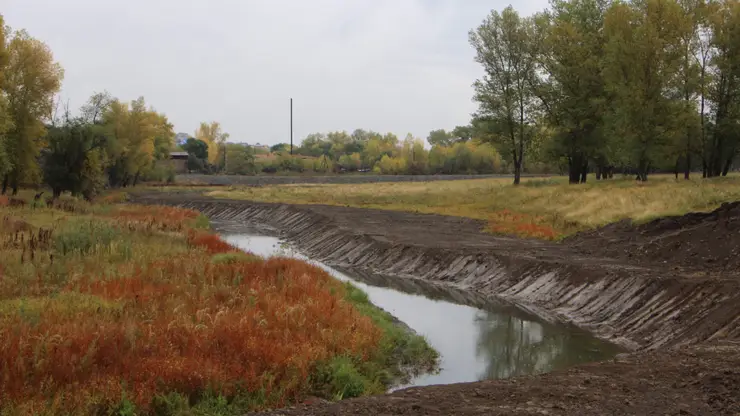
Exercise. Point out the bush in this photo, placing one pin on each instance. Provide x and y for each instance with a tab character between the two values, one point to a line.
85	237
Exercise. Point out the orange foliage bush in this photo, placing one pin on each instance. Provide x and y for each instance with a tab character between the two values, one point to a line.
508	222
212	243
4	201
184	324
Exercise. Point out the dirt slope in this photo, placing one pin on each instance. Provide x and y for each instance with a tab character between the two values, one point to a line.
670	282
707	243
698	380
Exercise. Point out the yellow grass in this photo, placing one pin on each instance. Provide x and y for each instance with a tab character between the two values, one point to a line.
533	208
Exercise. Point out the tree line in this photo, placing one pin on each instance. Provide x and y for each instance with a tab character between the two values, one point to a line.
108	143
637	86
370	151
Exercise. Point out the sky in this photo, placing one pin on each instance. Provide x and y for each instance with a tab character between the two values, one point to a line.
400	66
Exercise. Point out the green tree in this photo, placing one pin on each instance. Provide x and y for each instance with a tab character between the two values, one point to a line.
507	105
462	133
440	137
74	158
197	148
725	89
31	80
239	159
570	45
280	147
5	119
643	57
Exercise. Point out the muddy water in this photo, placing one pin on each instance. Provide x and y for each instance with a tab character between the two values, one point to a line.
477	338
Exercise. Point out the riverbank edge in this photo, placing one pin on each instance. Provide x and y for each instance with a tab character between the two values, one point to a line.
406	353
629	306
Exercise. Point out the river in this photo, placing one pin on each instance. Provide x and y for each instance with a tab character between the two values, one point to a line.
477	338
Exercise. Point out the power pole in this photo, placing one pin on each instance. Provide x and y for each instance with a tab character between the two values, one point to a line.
291	126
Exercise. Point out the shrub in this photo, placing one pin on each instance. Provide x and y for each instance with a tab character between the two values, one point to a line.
85	237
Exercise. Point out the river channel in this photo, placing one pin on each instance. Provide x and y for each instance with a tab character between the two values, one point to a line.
477	338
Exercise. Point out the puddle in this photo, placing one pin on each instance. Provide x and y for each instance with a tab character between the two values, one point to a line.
477	339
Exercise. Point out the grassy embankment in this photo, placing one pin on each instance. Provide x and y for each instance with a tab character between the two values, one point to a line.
541	208
119	309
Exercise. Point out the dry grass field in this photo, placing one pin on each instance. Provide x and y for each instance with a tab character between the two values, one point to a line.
540	208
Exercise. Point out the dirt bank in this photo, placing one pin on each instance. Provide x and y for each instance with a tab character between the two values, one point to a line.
697	380
601	281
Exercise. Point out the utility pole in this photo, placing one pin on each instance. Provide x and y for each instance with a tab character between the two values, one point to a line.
291	126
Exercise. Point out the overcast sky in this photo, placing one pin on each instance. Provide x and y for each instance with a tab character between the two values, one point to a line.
403	66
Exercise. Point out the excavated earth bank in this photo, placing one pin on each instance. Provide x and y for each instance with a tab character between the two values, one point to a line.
621	283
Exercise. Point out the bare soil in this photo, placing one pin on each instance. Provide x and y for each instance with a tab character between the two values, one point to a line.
695	254
697	380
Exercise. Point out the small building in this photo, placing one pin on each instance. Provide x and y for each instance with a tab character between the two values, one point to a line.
179	161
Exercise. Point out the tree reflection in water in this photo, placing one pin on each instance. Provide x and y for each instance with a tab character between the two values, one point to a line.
512	346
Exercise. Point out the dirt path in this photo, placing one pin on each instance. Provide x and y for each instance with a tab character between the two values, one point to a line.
651	283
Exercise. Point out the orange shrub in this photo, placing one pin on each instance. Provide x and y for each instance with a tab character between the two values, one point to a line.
211	242
185	325
522	225
4	201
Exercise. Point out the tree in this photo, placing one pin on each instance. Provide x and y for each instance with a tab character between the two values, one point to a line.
239	159
507	107
280	147
462	133
31	80
643	56
5	119
96	106
570	51
73	160
440	137
725	89
197	148
215	138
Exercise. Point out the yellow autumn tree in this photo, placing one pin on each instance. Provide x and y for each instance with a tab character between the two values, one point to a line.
212	135
137	136
31	80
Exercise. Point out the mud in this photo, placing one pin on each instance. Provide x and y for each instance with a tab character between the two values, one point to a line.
624	283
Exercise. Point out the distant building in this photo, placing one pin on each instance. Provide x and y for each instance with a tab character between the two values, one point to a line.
179	161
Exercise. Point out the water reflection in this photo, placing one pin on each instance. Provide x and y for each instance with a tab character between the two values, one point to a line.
478	338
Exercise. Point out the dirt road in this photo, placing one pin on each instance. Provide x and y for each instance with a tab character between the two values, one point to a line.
671	285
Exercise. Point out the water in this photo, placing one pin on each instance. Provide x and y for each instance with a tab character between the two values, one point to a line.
487	340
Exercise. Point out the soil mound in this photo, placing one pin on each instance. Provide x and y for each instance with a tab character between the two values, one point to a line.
706	242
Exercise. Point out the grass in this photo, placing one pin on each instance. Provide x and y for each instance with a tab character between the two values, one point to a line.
541	208
141	310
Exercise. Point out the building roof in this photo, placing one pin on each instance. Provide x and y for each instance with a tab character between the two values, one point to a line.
178	154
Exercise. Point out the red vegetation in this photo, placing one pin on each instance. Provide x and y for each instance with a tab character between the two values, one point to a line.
522	225
4	201
212	243
181	324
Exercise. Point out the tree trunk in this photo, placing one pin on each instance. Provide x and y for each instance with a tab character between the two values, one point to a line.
56	193
584	171
517	172
5	184
687	167
727	166
575	168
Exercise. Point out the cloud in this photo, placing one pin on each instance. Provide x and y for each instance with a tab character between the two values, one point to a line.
389	65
